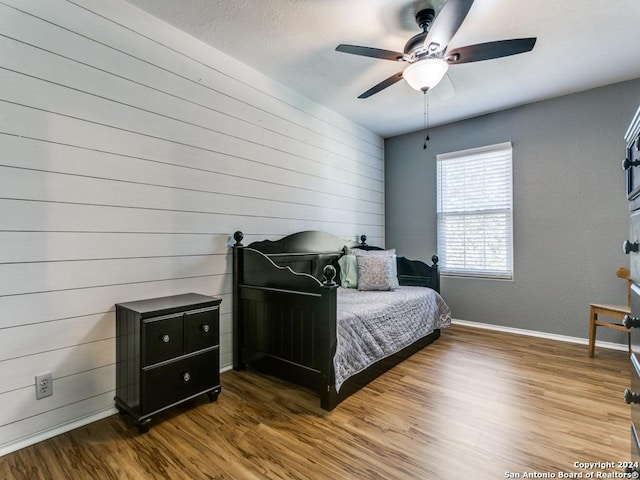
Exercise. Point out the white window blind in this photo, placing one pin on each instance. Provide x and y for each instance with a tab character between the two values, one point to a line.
475	199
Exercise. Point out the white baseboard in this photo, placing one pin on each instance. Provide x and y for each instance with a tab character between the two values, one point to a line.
52	432
63	428
533	333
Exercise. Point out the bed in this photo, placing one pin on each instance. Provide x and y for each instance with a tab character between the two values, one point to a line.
293	319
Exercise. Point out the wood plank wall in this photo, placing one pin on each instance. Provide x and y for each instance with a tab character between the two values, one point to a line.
130	153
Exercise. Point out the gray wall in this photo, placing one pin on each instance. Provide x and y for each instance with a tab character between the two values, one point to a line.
570	211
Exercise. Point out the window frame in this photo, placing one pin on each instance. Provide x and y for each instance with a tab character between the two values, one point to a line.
506	149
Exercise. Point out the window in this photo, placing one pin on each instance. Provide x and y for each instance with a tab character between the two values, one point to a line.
475	198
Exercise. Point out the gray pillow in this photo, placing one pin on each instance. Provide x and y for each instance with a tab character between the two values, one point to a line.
375	272
391	252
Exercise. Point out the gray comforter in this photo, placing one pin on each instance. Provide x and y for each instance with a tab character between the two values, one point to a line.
373	325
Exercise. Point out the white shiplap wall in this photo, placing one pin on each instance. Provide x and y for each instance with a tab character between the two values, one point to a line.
130	153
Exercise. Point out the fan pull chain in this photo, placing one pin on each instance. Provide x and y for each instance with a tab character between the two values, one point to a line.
426	120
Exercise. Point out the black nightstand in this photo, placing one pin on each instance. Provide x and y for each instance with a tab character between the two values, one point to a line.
167	352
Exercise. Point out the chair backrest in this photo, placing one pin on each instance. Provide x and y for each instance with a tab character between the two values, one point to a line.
624	272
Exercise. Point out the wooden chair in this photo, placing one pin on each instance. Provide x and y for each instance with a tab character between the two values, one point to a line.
616	312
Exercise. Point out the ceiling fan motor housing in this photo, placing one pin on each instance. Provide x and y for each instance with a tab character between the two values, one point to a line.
423	19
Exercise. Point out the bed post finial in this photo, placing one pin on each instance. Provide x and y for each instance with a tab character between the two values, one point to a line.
238	236
329	273
363	240
435	260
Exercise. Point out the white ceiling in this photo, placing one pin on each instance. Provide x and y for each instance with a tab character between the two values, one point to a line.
581	44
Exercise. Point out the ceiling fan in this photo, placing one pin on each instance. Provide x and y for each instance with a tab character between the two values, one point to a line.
427	54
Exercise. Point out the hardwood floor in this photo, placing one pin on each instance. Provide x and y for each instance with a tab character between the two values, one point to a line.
476	404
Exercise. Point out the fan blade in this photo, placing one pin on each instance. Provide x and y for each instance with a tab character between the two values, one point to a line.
382	85
446	24
371	52
489	50
444	90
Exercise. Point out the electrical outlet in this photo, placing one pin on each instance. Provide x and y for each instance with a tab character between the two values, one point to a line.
44	385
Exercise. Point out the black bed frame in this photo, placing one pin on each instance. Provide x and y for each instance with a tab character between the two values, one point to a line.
284	310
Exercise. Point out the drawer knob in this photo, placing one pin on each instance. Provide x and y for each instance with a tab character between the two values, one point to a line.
627	164
205	328
629	247
631	322
631	397
165	338
186	376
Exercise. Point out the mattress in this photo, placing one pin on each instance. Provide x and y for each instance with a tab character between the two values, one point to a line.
373	325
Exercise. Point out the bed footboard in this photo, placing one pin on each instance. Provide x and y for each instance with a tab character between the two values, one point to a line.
284	322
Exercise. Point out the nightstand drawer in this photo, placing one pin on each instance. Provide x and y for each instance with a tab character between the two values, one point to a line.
202	328
634	293
632	169
633	246
635	445
635	407
162	338
169	383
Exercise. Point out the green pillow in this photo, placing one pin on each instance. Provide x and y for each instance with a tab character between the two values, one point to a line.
348	271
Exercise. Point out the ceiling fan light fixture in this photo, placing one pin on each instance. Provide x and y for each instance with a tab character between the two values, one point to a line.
425	74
